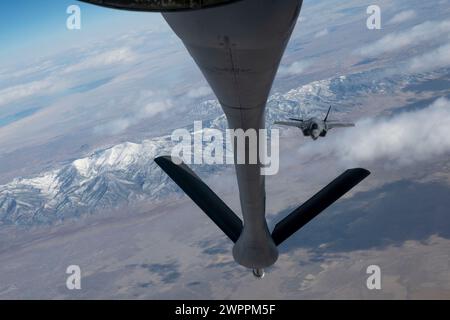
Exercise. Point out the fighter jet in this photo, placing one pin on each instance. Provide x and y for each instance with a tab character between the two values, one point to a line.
238	46
315	127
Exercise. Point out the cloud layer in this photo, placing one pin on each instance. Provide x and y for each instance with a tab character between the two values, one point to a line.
434	59
104	59
403	16
395	41
26	90
295	68
147	105
61	76
321	33
199	92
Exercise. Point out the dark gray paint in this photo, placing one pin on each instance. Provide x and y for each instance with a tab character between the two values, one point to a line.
238	48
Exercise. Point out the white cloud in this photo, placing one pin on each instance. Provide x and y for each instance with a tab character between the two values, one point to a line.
26	90
399	40
146	106
114	127
199	92
403	16
154	108
39	68
107	58
55	83
401	140
295	68
434	59
321	33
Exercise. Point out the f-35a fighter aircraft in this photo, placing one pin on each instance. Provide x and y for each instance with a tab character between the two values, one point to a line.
238	46
315	127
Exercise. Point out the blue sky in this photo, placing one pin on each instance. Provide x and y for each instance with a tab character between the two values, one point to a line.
29	24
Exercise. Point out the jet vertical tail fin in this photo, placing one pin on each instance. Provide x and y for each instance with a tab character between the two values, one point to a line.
203	196
319	202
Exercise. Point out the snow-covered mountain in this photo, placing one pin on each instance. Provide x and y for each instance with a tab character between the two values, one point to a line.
127	172
105	179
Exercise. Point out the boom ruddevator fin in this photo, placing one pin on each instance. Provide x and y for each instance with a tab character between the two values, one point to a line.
203	196
319	202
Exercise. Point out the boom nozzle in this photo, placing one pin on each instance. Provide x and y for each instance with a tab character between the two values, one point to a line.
259	273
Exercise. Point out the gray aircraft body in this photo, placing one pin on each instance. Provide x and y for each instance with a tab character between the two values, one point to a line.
238	46
315	127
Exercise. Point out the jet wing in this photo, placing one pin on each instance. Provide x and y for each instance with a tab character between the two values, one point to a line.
331	125
297	124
